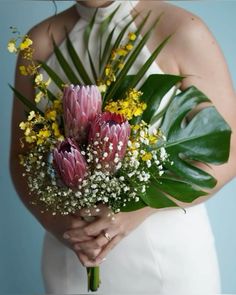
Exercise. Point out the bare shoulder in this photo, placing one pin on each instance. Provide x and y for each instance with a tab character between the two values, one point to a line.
55	25
185	27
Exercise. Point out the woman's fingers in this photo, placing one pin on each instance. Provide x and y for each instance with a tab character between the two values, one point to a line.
96	227
76	235
107	249
85	261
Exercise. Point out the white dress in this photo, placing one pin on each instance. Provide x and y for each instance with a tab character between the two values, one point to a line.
171	252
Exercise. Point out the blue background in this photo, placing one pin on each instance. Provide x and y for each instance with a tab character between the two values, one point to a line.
20	234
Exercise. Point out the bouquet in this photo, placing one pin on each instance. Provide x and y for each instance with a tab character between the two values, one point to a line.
100	139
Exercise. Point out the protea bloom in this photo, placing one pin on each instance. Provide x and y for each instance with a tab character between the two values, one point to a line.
80	107
69	163
108	139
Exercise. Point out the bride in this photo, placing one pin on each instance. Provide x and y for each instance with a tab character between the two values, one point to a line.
148	250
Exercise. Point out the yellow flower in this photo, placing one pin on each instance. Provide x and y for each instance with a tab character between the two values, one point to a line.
23	125
26	43
57	105
47	82
11	46
132	36
30	139
129	47
147	157
38	79
152	139
31	115
23	70
51	115
102	88
55	129
38	96
120	65
43	135
128	107
121	51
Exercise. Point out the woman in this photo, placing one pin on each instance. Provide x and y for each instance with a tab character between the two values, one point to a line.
171	251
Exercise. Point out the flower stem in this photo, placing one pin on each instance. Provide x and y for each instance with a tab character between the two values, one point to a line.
93	274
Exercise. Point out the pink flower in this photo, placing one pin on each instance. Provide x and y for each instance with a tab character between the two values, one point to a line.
80	106
69	163
108	138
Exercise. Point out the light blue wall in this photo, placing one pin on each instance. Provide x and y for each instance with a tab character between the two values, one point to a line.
20	235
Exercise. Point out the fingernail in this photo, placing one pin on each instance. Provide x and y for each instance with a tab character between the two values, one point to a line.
66	236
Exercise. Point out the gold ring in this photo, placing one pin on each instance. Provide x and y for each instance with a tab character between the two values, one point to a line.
107	236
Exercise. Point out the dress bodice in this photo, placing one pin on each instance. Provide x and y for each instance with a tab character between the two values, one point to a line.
121	17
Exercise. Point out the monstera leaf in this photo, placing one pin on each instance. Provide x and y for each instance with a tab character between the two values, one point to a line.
204	139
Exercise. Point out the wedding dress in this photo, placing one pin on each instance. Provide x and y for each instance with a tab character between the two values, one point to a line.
171	252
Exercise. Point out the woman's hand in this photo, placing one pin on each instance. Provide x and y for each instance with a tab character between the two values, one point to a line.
57	225
105	233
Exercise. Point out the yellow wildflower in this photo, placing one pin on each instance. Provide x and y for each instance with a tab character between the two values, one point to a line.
51	115
121	51
56	130
26	43
38	96
30	139
38	79
23	70
23	125
147	157
43	135
11	46
47	82
31	115
129	47
57	105
132	36
129	107
120	65
102	88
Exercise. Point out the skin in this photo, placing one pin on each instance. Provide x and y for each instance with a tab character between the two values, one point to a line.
182	55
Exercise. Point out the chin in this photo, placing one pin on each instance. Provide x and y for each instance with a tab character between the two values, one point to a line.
95	3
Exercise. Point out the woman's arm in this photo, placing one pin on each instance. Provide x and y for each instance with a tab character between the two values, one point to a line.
197	55
57	225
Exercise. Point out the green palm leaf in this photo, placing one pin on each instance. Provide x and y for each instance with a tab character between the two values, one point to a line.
87	34
134	55
27	102
103	28
77	62
65	66
53	75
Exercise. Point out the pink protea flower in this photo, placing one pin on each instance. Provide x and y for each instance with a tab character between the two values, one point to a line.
108	139
69	163
80	107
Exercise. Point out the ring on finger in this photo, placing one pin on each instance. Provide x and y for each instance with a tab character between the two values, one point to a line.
107	236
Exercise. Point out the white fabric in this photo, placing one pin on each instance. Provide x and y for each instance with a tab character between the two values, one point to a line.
171	252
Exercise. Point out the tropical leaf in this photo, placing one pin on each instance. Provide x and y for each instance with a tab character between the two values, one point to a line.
28	103
154	89
47	92
206	138
139	75
102	29
77	62
86	36
53	75
133	56
65	65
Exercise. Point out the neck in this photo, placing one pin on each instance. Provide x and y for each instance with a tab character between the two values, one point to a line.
95	3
